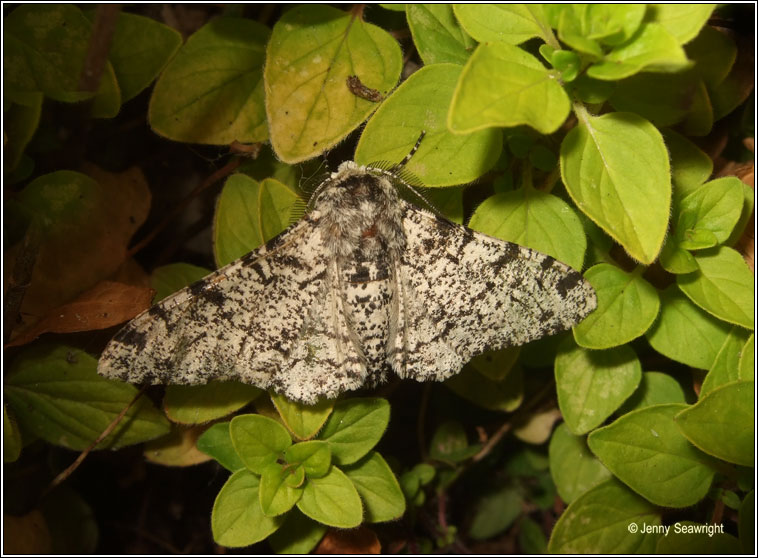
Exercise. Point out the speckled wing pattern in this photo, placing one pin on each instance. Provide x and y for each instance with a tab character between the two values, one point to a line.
464	293
255	320
364	285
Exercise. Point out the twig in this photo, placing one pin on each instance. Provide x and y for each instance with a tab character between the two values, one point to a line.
103	28
442	510
508	425
108	429
493	441
208	182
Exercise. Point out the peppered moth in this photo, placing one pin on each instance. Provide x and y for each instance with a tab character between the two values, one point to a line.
364	284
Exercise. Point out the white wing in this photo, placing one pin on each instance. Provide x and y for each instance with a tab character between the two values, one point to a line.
462	293
272	318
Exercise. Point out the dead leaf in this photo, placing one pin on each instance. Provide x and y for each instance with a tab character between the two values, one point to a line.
106	305
27	534
178	448
86	244
354	541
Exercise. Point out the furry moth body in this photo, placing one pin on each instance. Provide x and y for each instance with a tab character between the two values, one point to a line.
364	285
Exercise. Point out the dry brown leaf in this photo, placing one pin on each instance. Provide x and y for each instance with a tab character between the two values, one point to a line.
106	305
76	255
27	534
354	541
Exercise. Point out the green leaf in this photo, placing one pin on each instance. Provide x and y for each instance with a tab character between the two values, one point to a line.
592	91
746	364
276	496
12	442
572	31
699	119
298	535
45	46
507	23
652	48
685	333
332	500
664	99
747	213
747	523
170	278
585	27
675	259
496	365
56	394
448	201
534	219
354	427
683	21
610	24
297	478
450	444
258	440
312	51
723	286
726	366
437	35
495	512
627	305
378	488
598	523
713	208
722	423
139	50
249	214
212	90
71	522
20	124
203	403
505	394
690	538
237	519
593	384
646	451
394	129
304	421
690	167
616	170
503	85
567	63
217	442
314	456
654	389
734	90
573	467
714	53
531	538
412	481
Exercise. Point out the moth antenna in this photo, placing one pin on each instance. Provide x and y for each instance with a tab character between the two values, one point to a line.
405	161
297	211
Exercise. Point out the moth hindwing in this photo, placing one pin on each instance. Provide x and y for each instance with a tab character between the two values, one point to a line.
365	284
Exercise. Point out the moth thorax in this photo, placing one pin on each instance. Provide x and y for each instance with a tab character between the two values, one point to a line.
360	215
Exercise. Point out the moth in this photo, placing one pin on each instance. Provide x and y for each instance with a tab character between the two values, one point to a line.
363	285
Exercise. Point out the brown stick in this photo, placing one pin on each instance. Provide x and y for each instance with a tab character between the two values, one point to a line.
108	429
103	28
208	182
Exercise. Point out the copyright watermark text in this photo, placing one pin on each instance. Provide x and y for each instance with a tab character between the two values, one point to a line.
676	528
